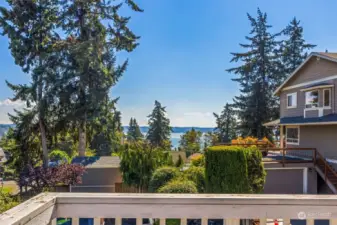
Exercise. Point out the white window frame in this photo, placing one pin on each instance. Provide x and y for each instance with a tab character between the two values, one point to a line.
294	100
329	106
293	143
305	100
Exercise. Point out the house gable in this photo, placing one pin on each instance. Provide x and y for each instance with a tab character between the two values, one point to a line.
318	66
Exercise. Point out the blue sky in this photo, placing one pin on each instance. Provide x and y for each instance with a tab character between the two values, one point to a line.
184	51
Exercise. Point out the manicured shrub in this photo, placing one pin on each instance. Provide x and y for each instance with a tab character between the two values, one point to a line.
197	175
234	169
179	186
198	159
162	176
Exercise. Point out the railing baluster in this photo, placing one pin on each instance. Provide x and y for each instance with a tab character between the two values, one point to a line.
97	221
183	221
162	221
263	221
232	222
286	221
325	171
333	222
118	221
310	222
204	221
75	221
139	221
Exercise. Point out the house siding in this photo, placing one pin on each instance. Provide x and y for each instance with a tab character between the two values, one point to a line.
299	110
321	137
314	69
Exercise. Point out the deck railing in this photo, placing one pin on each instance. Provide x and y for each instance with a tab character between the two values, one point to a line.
47	207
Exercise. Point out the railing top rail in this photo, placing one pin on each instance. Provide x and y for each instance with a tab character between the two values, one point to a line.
326	164
47	206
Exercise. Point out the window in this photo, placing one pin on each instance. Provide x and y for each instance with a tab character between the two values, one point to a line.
293	135
292	100
311	99
327	97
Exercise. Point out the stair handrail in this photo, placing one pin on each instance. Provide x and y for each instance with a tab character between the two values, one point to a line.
326	165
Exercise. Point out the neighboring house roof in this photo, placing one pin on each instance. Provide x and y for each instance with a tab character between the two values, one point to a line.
97	161
328	56
272	123
298	120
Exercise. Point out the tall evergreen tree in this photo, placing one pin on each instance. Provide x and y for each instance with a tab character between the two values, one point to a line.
259	75
134	133
95	32
30	27
226	124
159	126
294	47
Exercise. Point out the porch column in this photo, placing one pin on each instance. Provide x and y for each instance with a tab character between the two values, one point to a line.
281	136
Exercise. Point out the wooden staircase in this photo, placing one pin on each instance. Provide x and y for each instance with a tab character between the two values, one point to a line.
326	171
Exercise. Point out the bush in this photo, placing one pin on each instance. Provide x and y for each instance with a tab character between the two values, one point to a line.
197	175
162	176
234	169
198	159
179	186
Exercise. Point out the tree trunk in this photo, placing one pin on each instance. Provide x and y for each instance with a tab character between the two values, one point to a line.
82	138
44	143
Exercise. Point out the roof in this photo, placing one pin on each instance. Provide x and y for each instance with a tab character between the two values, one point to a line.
97	161
272	123
328	119
328	56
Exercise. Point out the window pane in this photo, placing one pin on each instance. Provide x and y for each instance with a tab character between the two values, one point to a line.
290	98
326	97
292	133
311	99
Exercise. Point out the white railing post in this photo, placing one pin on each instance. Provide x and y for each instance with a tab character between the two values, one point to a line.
97	221
232	221
183	221
204	221
118	221
162	221
310	221
263	221
75	221
139	221
286	221
333	222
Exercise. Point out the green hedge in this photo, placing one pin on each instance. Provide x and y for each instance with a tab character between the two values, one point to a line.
162	176
234	169
179	186
197	175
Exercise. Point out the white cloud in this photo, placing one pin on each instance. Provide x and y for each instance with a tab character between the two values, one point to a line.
8	106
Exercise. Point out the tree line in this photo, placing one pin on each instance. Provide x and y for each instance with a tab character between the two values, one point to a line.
68	49
268	60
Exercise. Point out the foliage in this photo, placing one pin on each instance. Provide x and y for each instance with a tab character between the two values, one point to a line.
134	133
210	139
180	162
226	124
40	178
190	141
59	156
179	186
197	175
161	176
7	201
251	141
139	160
294	47
234	169
198	160
259	74
159	127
